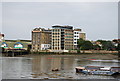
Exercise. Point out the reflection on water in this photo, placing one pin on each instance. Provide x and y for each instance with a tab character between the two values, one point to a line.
40	67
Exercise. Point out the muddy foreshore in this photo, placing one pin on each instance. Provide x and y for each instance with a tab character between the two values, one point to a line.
82	56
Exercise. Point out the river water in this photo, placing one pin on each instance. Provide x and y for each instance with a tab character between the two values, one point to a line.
40	67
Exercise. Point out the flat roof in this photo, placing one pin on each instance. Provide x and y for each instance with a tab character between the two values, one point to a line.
62	27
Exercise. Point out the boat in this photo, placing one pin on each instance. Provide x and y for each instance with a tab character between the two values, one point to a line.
98	70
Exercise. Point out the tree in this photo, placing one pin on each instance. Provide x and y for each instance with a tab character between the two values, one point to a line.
87	45
106	45
96	47
80	42
103	43
110	45
84	45
118	47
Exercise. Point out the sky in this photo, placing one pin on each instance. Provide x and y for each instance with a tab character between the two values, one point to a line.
98	19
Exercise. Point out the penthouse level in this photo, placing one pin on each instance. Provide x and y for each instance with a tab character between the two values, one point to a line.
62	27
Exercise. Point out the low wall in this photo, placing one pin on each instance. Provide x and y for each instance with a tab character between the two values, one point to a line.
81	51
98	51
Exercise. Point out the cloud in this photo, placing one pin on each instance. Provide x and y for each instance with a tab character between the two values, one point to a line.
93	18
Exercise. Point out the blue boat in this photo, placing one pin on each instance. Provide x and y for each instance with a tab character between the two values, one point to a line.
97	70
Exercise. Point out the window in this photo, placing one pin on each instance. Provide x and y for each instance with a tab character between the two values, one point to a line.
75	42
45	46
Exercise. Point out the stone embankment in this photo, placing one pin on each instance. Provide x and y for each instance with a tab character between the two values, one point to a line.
94	51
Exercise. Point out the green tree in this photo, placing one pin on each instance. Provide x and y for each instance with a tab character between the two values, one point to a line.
106	45
110	46
96	47
103	42
84	45
80	42
118	47
87	45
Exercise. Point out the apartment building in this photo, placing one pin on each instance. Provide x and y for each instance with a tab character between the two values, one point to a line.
62	37
77	35
41	39
82	35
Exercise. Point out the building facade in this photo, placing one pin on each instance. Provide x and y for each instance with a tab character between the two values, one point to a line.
82	35
40	38
62	38
77	35
1	37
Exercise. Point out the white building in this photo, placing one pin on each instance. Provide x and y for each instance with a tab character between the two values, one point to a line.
45	46
77	35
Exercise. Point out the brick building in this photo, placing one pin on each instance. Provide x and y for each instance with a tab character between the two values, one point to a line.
41	39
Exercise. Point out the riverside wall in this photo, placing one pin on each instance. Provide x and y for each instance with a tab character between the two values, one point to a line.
95	51
83	51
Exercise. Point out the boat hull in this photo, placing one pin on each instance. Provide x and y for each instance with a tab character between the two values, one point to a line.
96	72
99	72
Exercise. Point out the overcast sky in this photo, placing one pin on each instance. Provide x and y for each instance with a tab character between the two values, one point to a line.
98	20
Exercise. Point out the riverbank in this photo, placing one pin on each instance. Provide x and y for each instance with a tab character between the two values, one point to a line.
96	54
79	52
82	56
70	52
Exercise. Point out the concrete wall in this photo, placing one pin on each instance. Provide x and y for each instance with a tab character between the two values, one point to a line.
98	51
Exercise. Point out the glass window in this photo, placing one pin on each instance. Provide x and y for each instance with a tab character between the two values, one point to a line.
75	42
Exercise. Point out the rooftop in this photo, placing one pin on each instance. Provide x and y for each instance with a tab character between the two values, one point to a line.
77	30
41	30
2	35
62	27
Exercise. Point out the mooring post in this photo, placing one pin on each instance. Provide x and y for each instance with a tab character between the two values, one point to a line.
13	54
6	54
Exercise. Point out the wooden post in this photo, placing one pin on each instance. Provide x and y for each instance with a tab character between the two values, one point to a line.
13	54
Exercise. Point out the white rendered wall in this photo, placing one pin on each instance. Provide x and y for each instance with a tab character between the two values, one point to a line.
45	46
